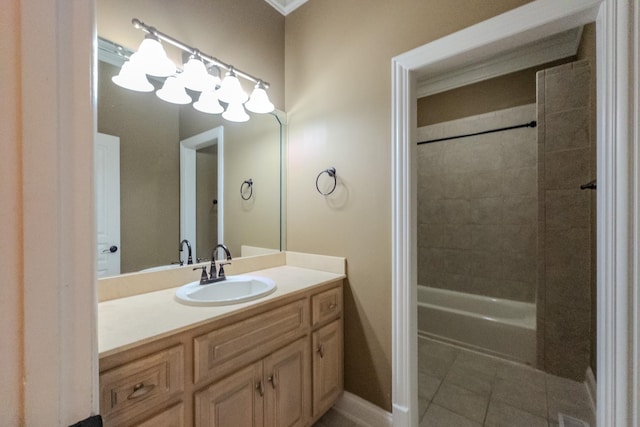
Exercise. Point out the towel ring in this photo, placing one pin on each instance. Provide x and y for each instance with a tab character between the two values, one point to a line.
249	184
332	173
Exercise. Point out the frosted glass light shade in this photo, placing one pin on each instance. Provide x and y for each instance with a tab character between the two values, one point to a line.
132	77
196	77
173	91
259	101
208	103
231	90
153	59
235	113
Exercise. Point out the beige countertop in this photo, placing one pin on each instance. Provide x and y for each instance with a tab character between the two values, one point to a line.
130	321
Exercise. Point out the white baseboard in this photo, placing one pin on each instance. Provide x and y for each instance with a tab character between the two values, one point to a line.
362	412
590	384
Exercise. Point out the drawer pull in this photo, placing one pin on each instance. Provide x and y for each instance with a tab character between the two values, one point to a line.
260	387
333	306
273	381
140	390
321	351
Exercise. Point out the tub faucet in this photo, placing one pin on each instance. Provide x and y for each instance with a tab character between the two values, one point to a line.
181	247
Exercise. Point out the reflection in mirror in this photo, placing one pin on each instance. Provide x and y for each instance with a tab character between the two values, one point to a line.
201	223
150	131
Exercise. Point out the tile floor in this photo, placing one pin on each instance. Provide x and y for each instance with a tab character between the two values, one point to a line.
460	388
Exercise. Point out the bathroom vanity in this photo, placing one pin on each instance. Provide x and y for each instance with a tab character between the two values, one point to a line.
276	361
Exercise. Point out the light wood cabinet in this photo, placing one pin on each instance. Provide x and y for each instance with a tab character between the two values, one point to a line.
233	401
273	392
224	349
288	379
172	417
327	366
326	306
132	388
276	364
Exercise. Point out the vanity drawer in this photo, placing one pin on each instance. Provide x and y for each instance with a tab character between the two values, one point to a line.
141	384
223	350
326	305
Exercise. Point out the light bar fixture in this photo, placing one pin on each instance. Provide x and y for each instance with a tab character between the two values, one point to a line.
151	59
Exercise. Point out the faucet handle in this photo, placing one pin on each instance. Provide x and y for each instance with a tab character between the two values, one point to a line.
221	270
203	276
212	269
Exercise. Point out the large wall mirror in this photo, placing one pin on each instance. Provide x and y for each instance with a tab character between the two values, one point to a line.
150	133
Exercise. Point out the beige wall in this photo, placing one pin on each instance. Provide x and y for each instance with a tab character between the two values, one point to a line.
11	247
248	34
338	100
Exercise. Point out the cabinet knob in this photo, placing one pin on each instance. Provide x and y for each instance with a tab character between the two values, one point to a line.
321	350
260	387
272	379
140	390
333	306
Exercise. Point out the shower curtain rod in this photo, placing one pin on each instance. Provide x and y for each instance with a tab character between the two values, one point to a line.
531	124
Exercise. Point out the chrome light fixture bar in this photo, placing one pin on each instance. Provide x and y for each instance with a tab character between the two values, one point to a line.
195	52
152	60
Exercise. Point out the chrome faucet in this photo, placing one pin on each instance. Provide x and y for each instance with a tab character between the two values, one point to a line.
181	247
224	248
213	277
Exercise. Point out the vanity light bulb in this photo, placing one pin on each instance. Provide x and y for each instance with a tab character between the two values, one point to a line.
196	77
259	101
153	59
208	103
173	91
231	90
235	113
132	77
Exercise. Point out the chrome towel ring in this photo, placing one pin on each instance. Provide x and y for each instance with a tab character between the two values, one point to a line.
243	190
332	173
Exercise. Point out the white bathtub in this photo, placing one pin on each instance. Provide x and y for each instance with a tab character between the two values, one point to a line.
496	326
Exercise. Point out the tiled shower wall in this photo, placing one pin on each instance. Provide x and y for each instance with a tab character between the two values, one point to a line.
566	162
478	206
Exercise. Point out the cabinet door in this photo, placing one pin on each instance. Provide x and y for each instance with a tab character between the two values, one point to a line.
327	366
287	376
172	417
235	401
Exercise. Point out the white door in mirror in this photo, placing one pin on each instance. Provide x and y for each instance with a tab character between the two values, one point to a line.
107	187
233	290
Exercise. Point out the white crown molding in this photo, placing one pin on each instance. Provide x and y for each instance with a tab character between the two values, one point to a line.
285	7
549	49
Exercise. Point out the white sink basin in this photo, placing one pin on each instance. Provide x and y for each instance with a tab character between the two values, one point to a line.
233	290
